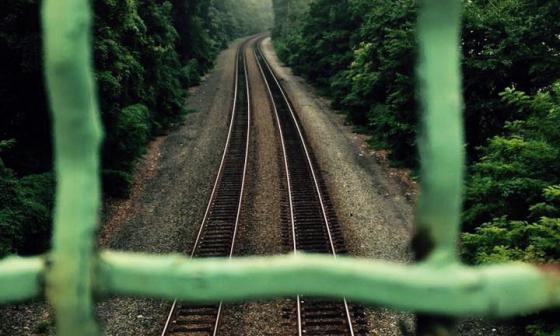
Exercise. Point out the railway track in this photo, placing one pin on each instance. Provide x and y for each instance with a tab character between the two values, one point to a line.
311	220
217	233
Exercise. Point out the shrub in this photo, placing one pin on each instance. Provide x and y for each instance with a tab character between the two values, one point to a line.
364	54
132	129
25	212
515	168
191	73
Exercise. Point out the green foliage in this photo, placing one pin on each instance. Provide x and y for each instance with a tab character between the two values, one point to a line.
536	241
515	191
7	144
25	212
24	113
362	54
505	240
545	326
10	220
132	130
139	78
321	48
288	15
507	43
205	26
515	167
377	90
191	73
146	55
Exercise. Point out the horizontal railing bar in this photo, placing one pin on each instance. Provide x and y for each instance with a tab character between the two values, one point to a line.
21	278
498	291
452	290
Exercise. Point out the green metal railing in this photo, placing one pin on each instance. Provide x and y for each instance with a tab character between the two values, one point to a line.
74	271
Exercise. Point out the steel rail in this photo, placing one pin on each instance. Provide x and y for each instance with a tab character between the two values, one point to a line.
288	181
227	150
311	167
240	204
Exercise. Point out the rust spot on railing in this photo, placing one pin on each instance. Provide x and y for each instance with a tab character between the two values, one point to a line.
550	269
552	273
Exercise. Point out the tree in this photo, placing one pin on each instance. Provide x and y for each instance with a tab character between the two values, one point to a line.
517	166
146	55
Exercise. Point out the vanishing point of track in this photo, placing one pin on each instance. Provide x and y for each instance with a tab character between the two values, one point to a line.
217	233
312	222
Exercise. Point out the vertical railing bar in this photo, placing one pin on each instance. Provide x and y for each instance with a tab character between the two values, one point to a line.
77	137
441	144
441	140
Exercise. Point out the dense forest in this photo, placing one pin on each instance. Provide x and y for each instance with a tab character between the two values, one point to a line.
362	53
147	53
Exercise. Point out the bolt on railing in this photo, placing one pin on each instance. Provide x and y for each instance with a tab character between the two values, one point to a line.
73	272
